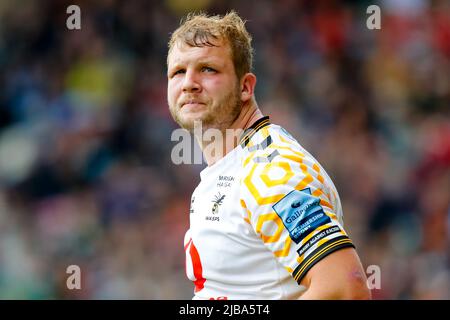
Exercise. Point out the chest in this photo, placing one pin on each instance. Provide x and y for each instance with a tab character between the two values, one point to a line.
215	202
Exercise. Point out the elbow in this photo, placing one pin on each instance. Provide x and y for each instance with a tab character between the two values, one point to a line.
360	295
338	292
353	290
360	292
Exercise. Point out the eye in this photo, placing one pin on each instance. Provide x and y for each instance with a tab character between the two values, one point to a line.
208	69
179	71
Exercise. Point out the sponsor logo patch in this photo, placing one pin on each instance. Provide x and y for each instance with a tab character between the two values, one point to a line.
301	213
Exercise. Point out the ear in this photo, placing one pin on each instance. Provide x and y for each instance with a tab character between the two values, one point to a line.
248	82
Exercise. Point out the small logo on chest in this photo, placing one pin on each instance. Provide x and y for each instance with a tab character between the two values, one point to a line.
217	202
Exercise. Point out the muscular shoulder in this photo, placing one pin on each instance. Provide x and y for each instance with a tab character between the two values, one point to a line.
275	164
290	201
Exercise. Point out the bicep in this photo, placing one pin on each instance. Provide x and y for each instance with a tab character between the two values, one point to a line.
339	275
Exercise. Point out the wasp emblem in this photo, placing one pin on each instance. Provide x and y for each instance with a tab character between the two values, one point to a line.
217	202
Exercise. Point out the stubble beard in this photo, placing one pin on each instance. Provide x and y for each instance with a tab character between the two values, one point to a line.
219	116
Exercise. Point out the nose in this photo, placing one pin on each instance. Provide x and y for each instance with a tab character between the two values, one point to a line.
191	82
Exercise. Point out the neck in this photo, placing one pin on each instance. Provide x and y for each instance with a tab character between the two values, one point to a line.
216	144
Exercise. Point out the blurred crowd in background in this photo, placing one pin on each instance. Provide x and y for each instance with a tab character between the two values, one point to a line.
86	176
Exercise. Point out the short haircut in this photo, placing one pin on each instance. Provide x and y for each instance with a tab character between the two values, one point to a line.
199	29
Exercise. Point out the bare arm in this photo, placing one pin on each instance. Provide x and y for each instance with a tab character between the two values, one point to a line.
337	276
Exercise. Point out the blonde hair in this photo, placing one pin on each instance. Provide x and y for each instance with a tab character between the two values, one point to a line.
198	30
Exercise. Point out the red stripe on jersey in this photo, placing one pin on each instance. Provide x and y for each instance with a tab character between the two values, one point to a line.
197	266
187	245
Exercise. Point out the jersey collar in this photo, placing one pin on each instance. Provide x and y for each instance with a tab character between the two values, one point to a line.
249	132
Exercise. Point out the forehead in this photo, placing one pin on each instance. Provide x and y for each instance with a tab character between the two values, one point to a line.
182	53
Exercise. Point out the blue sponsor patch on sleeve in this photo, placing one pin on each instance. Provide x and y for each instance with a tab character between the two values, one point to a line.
301	213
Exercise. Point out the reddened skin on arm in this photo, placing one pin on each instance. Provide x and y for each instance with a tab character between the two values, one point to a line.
339	275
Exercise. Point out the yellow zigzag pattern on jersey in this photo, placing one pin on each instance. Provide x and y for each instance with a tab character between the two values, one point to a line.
289	163
297	157
304	183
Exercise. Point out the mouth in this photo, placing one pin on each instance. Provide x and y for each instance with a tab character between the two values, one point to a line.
192	104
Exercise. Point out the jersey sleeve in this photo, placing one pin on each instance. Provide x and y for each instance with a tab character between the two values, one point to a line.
292	207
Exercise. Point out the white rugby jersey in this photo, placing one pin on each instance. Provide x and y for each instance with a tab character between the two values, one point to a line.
260	218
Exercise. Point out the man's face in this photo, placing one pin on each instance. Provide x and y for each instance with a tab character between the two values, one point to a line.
202	86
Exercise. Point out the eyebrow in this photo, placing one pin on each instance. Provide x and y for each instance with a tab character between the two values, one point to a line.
202	62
